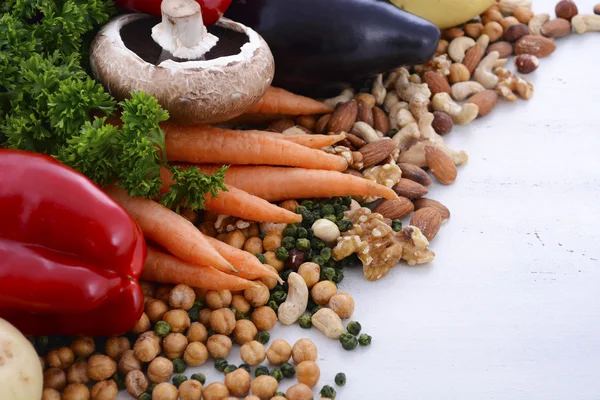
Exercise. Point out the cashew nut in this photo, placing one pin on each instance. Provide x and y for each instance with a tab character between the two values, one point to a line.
365	132
586	23
500	63
509	6
400	117
483	73
415	154
536	23
346	95
418	105
458	47
462	90
461	115
296	301
406	89
407	135
390	100
390	80
378	89
427	130
328	322
483	41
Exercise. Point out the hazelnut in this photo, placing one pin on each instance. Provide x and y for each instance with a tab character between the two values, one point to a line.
474	29
515	32
459	73
452	33
566	9
597	9
523	14
442	123
526	63
493	30
442	47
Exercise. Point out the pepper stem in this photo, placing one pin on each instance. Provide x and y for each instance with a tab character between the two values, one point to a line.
182	33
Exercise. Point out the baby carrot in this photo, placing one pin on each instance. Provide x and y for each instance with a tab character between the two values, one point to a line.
280	101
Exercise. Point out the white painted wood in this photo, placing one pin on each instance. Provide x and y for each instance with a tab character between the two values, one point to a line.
510	308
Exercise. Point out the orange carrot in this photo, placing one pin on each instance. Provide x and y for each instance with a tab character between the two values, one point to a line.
170	230
249	266
307	140
206	144
276	183
164	268
280	101
237	203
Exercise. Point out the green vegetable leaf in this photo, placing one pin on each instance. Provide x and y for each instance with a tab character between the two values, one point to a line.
191	186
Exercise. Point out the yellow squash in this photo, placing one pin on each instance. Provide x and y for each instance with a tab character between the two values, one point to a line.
444	13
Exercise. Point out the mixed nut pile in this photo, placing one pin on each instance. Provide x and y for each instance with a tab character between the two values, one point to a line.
395	130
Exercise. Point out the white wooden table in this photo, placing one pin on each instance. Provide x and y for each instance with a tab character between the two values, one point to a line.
510	308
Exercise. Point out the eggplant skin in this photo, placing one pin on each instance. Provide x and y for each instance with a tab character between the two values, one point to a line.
322	46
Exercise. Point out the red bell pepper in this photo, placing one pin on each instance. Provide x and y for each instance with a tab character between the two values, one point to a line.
70	257
212	10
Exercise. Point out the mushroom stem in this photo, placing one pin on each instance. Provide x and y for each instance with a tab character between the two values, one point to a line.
182	34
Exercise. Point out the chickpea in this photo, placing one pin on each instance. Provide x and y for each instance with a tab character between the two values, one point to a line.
308	373
322	292
190	390
304	350
264	318
136	383
147	346
221	237
83	346
174	345
251	397
50	394
204	316
116	346
253	353
258	295
240	304
238	382
216	299
105	390
163	293
219	346
244	331
155	309
77	373
264	387
182	296
278	398
101	367
178	319
55	378
270	283
254	245
76	391
160	370
310	272
253	230
208	228
197	333
215	391
235	239
129	362
164	391
195	354
222	321
62	357
342	304
272	240
148	288
299	392
290	205
142	325
279	352
273	261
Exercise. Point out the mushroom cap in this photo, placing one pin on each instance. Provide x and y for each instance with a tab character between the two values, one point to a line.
193	92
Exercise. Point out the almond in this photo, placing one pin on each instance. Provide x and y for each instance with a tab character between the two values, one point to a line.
415	173
307	121
381	121
410	189
354	172
472	57
321	126
365	112
486	101
437	83
514	32
281	125
375	152
428	220
440	164
355	140
504	49
343	117
556	28
425	202
395	209
538	46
